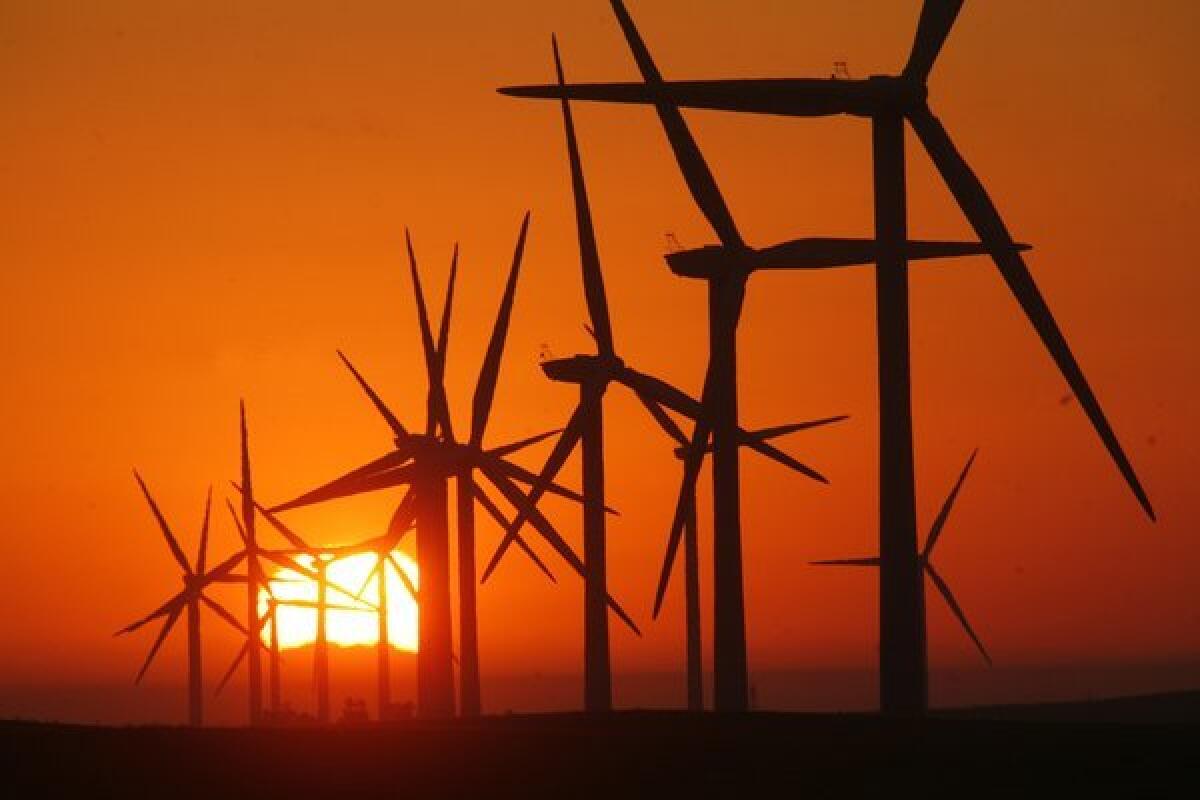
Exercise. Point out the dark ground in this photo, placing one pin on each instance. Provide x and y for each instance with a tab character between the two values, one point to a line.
1137	747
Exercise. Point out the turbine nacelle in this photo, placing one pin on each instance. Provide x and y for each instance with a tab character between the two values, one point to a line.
581	369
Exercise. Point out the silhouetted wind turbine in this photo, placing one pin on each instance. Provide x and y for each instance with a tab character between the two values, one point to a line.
726	269
379	575
593	374
426	462
254	573
691	554
926	565
189	599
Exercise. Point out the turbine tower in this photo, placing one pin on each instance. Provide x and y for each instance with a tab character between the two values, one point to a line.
888	101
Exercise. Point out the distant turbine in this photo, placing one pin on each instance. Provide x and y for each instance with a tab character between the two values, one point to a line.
691	556
726	270
189	599
927	566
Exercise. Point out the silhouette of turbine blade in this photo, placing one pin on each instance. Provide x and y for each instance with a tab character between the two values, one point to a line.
763	434
948	596
161	611
437	407
392	420
659	391
822	253
168	623
847	562
443	344
221	572
519	473
663	419
243	651
693	461
983	216
349	485
696	172
939	522
544	527
558	456
498	515
241	531
407	581
202	555
292	537
489	373
589	254
508	449
937	18
221	612
172	543
402	521
775	454
370	576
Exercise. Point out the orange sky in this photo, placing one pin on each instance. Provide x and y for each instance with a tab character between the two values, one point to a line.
201	201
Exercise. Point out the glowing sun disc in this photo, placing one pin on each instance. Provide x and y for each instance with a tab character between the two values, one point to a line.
345	627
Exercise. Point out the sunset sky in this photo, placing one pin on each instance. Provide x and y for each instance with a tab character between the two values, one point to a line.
202	201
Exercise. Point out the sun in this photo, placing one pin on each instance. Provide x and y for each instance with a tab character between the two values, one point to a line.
349	627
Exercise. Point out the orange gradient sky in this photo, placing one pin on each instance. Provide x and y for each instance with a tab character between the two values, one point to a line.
201	201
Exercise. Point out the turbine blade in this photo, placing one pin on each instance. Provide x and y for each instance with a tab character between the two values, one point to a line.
221	572
402	521
763	434
589	254
958	612
826	253
982	213
435	398
508	449
558	456
202	555
544	527
937	18
940	521
775	454
407	581
168	623
696	172
248	532
443	344
392	420
496	514
370	576
162	611
237	523
519	473
221	612
663	419
243	651
846	562
369	478
275	522
172	543
489	373
659	391
693	461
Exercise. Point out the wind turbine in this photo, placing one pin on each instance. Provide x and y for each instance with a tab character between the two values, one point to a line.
379	575
691	552
726	269
426	462
189	599
927	567
593	374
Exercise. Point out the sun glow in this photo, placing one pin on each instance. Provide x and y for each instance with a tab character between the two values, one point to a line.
349	623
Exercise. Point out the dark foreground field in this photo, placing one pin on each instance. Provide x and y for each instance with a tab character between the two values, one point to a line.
1129	748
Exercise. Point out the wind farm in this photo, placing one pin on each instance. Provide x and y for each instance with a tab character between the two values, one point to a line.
615	519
